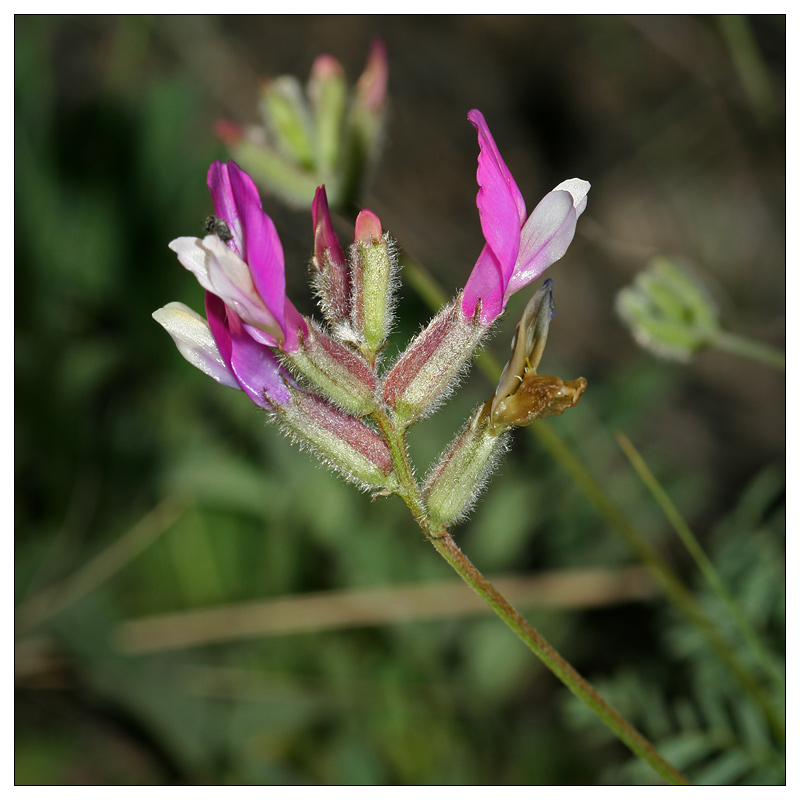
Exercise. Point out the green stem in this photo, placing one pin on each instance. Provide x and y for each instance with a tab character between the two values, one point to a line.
562	669
747	348
704	564
555	662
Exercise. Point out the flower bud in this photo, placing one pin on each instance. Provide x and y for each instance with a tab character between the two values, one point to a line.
373	270
668	311
372	85
453	486
327	92
342	375
343	442
432	365
286	113
365	122
522	396
322	135
331	274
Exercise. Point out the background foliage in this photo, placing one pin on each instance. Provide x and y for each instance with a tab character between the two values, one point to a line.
678	122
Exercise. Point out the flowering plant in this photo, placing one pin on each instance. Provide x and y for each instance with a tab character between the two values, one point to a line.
324	382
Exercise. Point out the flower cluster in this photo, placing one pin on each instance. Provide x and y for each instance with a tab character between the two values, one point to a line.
325	134
323	380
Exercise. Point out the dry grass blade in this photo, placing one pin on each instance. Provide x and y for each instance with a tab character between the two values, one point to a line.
350	609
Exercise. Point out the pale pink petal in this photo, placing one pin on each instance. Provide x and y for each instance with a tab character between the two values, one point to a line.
545	238
231	279
192	335
579	190
193	257
549	231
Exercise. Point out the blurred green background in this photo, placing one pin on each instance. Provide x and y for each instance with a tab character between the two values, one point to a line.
143	488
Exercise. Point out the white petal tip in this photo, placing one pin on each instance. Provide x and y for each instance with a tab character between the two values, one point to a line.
578	189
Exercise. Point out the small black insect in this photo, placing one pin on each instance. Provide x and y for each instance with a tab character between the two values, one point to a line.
218	226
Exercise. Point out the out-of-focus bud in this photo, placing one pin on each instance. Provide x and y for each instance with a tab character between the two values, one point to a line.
327	92
287	114
318	137
338	372
522	395
331	275
343	442
365	122
668	311
432	365
372	276
372	86
453	486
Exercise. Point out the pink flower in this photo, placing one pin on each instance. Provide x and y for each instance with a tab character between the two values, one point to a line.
518	248
248	312
224	351
247	271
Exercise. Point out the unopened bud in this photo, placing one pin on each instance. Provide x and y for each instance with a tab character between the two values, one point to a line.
272	169
432	365
327	92
286	113
372	276
324	134
463	470
365	123
331	275
372	86
342	375
668	311
343	442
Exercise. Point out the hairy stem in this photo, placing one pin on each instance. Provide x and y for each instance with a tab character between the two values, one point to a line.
555	662
562	669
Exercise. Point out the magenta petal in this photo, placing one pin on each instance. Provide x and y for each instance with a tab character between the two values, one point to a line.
500	202
325	237
486	284
294	324
263	249
225	207
256	367
216	313
545	238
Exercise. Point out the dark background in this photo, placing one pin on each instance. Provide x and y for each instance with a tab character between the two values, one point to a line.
678	123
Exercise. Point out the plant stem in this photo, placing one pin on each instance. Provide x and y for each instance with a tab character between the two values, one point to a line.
747	348
555	662
563	670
